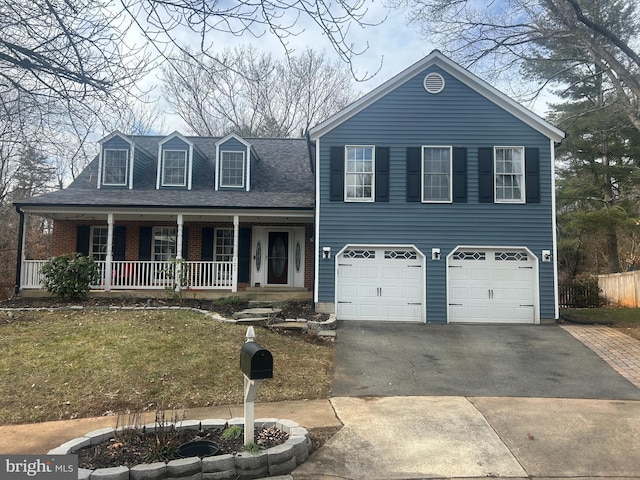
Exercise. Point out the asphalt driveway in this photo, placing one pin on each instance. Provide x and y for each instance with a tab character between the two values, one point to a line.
397	359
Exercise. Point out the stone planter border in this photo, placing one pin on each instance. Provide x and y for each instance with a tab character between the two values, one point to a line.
275	462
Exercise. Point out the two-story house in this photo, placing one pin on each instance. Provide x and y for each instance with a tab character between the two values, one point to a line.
435	202
430	199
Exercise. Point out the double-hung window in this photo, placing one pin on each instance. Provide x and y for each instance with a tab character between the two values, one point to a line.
359	173
223	246
99	236
164	243
174	168
232	169
115	167
436	174
509	174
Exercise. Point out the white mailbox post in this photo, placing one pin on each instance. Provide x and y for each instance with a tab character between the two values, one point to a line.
256	364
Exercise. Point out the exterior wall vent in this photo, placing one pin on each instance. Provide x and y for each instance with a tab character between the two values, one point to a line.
433	83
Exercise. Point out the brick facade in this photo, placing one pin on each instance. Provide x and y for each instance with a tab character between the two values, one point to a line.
64	239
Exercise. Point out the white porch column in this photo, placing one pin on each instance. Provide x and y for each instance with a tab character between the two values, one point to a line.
234	270
178	272
109	258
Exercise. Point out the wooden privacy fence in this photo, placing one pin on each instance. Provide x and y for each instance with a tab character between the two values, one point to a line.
578	295
621	288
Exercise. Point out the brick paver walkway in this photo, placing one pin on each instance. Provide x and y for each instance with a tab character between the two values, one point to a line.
620	351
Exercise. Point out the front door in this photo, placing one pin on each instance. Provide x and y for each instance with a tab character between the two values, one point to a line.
278	263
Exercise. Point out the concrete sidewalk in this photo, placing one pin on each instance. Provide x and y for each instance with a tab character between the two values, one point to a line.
398	438
458	437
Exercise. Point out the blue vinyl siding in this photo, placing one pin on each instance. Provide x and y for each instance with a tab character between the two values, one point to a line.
410	117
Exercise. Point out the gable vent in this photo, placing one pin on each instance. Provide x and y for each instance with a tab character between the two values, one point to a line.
433	83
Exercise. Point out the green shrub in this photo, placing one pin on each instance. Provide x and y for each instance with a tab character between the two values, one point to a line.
70	276
581	292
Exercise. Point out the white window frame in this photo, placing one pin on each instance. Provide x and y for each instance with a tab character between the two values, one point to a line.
105	167
101	253
184	175
163	256
225	255
520	175
348	174
423	174
244	169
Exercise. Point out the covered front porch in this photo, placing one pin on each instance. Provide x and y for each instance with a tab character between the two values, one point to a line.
170	251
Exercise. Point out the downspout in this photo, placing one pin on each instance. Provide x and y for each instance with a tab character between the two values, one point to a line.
16	289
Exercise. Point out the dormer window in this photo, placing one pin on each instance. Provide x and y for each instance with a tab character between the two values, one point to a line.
174	168
232	169
115	167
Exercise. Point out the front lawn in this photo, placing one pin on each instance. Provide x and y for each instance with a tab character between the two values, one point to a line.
64	364
627	319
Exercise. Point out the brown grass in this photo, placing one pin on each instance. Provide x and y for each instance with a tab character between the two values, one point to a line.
61	364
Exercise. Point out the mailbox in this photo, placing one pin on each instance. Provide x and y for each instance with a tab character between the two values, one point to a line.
255	361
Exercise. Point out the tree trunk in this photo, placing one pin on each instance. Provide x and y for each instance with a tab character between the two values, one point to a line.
613	260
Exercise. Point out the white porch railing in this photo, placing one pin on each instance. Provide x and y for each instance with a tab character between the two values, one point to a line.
31	273
146	275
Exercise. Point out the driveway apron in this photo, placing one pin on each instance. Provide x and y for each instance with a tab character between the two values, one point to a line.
544	361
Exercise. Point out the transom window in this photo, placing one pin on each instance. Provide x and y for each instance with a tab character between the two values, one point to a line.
232	169
359	173
509	174
174	168
115	167
99	236
164	243
223	245
436	174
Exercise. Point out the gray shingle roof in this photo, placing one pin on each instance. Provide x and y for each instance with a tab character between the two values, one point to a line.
282	178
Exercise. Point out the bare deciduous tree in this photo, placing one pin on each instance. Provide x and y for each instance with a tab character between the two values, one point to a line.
252	94
501	36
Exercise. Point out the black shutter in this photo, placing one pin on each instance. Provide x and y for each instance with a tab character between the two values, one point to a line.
485	175
459	174
336	174
206	249
244	254
83	235
414	158
144	243
532	174
185	243
119	243
382	174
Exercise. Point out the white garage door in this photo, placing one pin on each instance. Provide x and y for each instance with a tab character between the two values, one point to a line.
379	283
492	285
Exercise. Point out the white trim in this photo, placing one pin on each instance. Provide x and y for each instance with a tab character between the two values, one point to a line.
372	198
436	58
556	295
423	265
316	233
186	168
422	174
244	169
536	274
523	189
247	173
132	165
128	172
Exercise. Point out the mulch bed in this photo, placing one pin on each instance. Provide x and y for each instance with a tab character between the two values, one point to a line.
131	447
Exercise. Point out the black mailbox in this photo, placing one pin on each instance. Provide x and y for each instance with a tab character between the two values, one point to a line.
256	362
